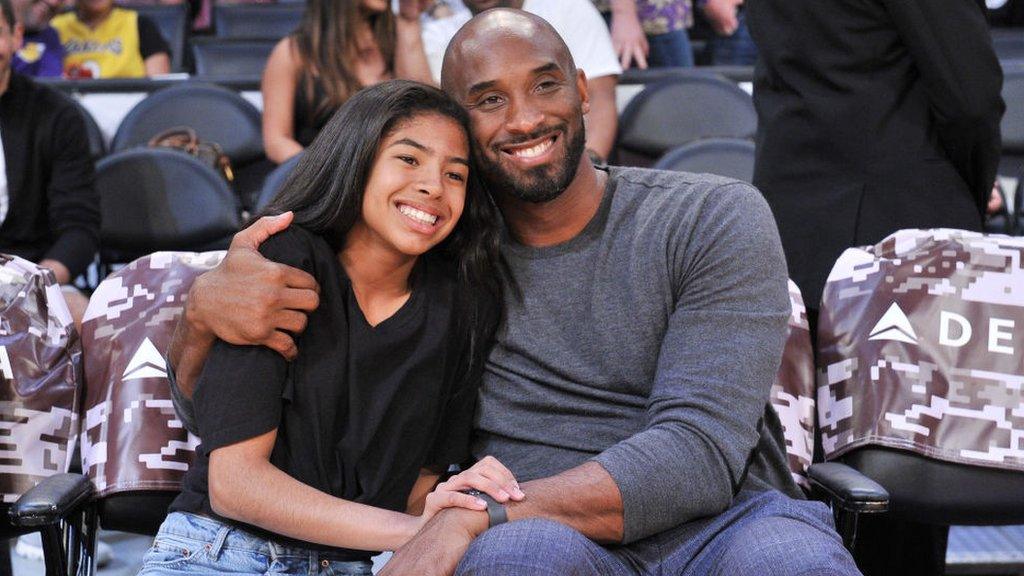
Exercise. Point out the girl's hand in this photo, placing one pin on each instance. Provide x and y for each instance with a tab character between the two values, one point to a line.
488	476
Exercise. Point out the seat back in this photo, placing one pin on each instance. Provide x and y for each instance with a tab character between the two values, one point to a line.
920	343
173	22
40	375
275	181
97	144
217	114
134	448
729	157
679	110
263	21
1011	165
153	199
230	57
1008	44
793	392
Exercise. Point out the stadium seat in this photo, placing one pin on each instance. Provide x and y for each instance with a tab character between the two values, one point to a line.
275	181
154	199
173	22
40	395
97	144
729	157
919	349
230	57
1011	165
217	114
263	21
676	111
135	450
1008	44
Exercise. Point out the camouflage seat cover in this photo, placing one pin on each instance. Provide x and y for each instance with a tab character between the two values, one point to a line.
133	439
40	372
921	348
793	392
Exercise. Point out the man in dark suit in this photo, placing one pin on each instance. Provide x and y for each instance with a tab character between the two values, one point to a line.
874	115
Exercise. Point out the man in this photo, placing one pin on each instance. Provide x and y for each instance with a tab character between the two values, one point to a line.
628	387
873	116
41	54
584	31
49	210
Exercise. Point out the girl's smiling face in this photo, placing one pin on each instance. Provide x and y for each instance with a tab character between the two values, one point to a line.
416	189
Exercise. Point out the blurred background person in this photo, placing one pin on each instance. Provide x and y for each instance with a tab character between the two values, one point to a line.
650	32
874	116
728	40
49	208
340	47
103	41
41	53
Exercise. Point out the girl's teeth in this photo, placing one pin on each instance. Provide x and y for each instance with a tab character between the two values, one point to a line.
417	214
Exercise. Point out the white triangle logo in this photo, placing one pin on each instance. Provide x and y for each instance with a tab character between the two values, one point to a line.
894	325
146	363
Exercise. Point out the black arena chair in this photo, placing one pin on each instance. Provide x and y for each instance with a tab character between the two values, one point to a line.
231	57
173	22
275	181
97	144
265	21
676	111
153	199
217	114
730	157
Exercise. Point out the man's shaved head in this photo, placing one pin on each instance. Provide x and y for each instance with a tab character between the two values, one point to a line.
477	38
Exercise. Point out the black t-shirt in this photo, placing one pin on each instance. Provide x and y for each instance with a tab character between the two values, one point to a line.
361	409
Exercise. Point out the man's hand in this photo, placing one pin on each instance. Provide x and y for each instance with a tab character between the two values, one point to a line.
437	549
722	15
248	299
628	36
60	271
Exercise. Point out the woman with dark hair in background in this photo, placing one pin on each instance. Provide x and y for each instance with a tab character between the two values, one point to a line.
340	47
305	467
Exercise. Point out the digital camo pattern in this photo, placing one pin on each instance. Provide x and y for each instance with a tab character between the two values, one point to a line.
921	347
132	438
40	372
793	391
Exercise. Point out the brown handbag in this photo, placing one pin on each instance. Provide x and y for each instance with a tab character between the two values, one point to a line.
184	138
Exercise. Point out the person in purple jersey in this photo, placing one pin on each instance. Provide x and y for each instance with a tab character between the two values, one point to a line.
41	54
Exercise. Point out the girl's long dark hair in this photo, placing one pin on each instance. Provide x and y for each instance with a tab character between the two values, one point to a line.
325	191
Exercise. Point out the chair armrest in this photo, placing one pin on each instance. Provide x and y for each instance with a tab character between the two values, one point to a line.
52	500
847	488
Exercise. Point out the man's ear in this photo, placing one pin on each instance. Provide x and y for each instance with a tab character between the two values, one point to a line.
581	87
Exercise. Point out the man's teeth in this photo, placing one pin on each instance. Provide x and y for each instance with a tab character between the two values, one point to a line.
532	151
418	215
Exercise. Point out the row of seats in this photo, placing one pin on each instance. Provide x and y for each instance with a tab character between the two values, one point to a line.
262	23
132	315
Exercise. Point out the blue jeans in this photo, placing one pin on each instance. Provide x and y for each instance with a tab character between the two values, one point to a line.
736	50
761	534
671	49
190	544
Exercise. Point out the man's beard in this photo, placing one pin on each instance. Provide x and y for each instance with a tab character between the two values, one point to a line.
536	185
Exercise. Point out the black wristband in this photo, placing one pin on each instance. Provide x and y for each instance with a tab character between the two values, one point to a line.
496	511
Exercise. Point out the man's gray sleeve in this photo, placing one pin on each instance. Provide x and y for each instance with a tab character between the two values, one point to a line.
715	369
183	406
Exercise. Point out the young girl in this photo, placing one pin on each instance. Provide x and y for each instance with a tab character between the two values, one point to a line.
306	467
340	47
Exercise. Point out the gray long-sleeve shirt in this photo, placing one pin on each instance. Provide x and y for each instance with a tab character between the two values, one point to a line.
648	343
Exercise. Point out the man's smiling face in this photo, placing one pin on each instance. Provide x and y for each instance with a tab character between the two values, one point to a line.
526	103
